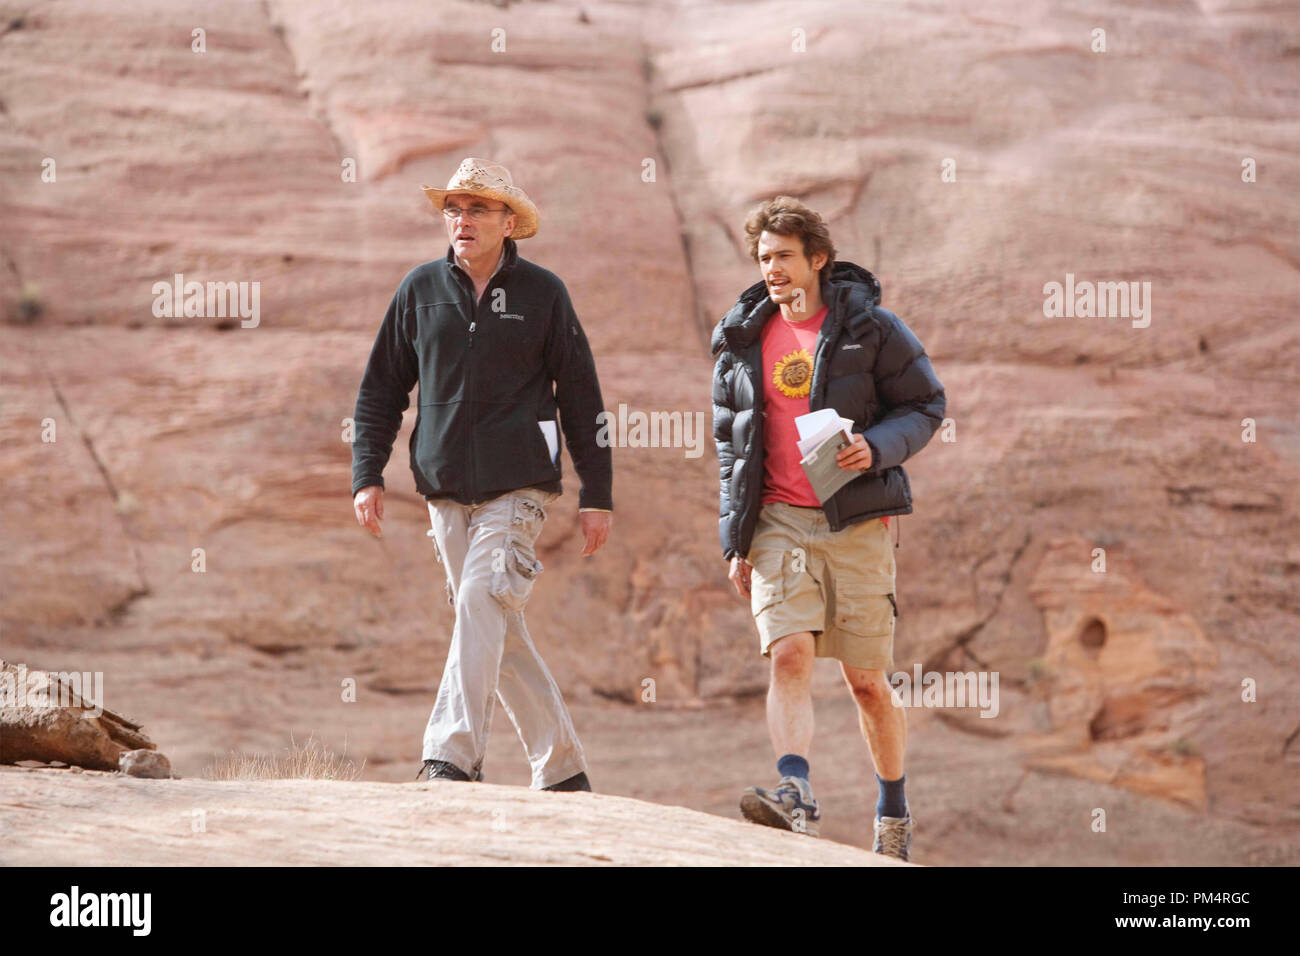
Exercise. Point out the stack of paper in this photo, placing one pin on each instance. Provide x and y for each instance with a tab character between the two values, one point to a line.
821	436
815	427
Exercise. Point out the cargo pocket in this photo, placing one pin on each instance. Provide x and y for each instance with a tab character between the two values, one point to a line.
518	567
527	514
766	581
866	615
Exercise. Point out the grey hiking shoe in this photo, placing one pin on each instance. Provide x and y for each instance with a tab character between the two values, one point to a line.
791	806
894	837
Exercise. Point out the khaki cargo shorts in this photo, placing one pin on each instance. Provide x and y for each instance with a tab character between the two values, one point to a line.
837	584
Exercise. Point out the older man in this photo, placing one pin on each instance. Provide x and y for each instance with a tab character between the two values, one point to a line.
503	366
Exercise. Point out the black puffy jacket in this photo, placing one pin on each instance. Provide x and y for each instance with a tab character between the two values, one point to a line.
868	366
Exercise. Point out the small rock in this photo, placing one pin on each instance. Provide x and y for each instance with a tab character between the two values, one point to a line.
145	763
57	763
76	770
29	764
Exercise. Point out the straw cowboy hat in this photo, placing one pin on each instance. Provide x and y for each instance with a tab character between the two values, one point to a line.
481	177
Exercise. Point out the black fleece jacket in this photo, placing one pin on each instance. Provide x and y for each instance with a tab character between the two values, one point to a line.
488	373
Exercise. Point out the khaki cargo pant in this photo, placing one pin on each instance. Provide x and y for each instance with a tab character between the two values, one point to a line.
487	551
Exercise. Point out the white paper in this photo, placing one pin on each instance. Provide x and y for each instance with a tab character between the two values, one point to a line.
815	427
814	422
550	433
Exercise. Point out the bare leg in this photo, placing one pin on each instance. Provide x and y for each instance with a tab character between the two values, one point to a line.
884	726
789	697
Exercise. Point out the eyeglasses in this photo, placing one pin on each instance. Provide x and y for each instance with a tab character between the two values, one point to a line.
473	213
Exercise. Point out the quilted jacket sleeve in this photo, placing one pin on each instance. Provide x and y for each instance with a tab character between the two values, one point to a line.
912	395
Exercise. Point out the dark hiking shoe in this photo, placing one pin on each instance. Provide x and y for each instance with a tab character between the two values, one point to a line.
577	782
441	770
791	806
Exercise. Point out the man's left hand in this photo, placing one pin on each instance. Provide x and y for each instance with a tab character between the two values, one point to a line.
855	456
595	528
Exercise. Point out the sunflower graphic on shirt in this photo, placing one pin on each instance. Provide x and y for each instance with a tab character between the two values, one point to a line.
792	374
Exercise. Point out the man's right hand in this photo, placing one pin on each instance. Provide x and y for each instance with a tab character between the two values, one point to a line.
739	575
369	506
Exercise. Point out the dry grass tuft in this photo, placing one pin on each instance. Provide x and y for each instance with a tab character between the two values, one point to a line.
307	761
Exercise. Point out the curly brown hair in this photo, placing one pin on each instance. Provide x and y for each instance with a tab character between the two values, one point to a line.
787	216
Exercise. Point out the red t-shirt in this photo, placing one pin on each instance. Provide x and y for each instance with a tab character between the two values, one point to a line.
788	350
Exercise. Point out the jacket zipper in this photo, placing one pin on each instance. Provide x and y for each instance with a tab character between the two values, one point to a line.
819	364
469	372
469	392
